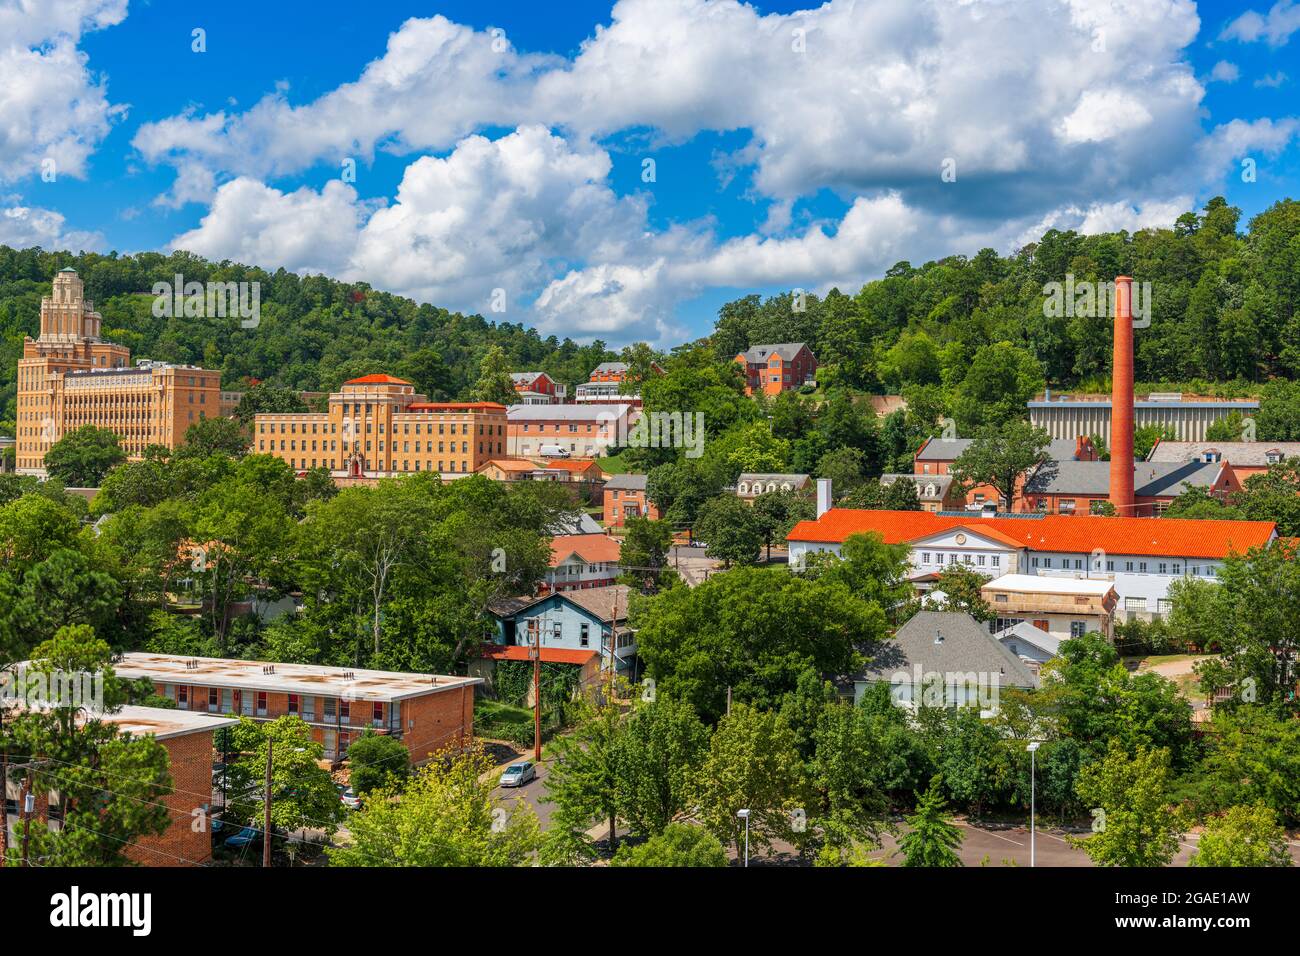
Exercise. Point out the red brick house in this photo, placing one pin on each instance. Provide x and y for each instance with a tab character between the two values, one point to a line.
772	369
625	497
538	388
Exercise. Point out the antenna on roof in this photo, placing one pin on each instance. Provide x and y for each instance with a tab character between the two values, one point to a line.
268	668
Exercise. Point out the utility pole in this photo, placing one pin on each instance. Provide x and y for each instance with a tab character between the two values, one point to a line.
537	694
728	700
26	814
266	800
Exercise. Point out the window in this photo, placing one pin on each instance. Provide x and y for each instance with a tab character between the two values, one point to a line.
293	703
1078	628
925	557
261	703
214	700
584	635
377	714
1162	567
1164	605
1135	604
183	697
997	560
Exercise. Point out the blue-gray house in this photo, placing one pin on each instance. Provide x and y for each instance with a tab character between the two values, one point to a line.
578	620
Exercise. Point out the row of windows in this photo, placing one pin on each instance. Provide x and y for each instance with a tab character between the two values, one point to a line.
254	704
977	560
483	447
331	428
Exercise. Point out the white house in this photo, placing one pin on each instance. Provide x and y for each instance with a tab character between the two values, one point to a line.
1140	557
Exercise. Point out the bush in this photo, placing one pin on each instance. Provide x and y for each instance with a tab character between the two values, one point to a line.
678	845
376	759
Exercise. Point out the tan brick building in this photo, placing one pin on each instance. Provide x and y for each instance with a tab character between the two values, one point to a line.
377	426
427	712
69	377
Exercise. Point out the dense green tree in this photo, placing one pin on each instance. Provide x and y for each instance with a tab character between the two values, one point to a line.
678	845
214	436
752	765
1242	836
1000	456
377	760
83	456
446	815
1134	821
752	630
494	382
731	529
658	759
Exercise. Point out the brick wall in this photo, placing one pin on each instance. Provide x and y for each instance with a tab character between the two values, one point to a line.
191	769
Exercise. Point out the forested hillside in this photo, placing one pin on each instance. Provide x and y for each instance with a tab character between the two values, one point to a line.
1224	318
1224	309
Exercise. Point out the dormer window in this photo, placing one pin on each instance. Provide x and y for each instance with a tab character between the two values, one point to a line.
1273	456
1211	455
744	488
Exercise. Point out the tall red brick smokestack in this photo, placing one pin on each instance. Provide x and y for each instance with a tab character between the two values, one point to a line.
1121	401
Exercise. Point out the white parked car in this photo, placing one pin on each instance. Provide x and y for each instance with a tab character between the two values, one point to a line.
518	774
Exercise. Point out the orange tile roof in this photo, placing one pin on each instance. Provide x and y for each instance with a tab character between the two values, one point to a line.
1078	534
570	464
509	464
592	548
377	380
549	655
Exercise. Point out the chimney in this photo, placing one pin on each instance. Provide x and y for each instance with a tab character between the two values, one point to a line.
1121	401
823	496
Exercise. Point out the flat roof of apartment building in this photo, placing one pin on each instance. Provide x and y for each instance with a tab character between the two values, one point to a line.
308	679
158	722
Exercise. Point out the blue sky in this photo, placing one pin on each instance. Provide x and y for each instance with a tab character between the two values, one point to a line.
502	146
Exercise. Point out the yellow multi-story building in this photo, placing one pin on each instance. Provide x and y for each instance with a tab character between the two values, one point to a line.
70	377
378	426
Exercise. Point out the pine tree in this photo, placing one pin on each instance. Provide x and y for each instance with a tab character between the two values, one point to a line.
932	839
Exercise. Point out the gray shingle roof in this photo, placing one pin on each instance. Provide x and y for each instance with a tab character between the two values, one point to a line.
1236	452
628	482
1093	477
967	646
761	353
611	367
947	449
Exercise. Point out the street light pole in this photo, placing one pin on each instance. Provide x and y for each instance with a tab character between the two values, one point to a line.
1033	751
744	815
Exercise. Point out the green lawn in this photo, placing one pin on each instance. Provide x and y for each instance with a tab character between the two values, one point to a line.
612	465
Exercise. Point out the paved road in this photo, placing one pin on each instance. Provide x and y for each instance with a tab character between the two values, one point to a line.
530	794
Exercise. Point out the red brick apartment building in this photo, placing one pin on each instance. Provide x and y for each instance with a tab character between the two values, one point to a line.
772	369
187	738
427	712
625	497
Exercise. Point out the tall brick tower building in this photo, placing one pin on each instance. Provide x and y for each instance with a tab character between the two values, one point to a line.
69	377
